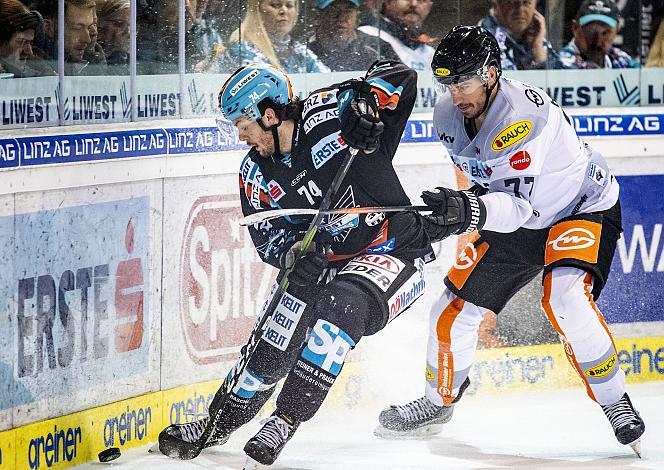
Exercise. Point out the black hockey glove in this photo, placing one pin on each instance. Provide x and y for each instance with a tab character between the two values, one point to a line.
454	212
308	268
358	113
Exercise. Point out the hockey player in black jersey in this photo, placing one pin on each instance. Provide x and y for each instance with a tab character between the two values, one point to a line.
367	268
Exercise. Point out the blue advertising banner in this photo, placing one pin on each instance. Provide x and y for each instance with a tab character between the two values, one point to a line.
635	289
79	309
95	146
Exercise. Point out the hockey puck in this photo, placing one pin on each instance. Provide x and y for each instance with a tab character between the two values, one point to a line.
109	454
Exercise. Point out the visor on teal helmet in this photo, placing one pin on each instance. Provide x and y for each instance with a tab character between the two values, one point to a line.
249	86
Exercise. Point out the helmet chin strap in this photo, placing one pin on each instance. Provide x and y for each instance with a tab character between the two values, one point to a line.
489	91
275	137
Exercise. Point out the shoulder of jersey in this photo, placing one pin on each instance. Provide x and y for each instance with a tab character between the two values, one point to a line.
323	98
526	98
319	107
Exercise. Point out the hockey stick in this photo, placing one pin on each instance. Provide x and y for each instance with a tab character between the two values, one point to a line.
259	217
188	450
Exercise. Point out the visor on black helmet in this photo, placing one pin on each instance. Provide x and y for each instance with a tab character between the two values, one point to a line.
443	79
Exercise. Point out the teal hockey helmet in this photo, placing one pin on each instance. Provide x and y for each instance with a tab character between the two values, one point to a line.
252	89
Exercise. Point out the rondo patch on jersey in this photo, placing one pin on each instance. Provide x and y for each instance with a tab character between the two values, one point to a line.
511	135
520	160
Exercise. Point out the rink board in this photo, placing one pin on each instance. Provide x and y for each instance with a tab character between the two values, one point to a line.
173	286
77	438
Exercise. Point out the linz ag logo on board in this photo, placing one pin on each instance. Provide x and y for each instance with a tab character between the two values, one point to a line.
511	135
223	282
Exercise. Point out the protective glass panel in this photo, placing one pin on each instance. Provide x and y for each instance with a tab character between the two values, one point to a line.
28	65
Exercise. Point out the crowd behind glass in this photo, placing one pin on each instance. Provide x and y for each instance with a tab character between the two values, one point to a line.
320	35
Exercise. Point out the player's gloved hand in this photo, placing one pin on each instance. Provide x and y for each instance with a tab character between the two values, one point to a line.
458	211
478	190
361	126
308	268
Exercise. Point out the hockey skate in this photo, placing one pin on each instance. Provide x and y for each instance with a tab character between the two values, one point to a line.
179	440
419	418
626	422
268	443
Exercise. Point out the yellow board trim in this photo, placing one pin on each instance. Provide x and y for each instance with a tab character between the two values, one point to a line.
78	437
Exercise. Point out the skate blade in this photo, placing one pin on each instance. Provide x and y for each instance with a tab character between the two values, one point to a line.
251	464
636	447
419	433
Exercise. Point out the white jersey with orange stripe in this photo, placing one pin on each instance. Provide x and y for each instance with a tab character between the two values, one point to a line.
529	157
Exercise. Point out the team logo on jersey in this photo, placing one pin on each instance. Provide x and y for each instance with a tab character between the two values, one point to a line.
603	369
442	72
340	225
275	190
374	218
466	262
535	97
511	135
576	238
520	160
573	239
597	174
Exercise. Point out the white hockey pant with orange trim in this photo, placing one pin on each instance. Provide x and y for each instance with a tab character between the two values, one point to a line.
571	310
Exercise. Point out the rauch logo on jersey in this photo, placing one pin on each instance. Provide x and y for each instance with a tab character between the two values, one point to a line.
520	160
511	135
602	369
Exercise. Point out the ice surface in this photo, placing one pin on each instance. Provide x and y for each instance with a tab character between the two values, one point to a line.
552	429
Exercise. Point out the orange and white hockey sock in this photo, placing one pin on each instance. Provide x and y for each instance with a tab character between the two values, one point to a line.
588	343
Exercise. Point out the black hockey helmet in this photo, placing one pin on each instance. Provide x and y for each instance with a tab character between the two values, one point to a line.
465	52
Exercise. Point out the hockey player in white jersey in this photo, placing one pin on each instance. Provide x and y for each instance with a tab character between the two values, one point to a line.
542	200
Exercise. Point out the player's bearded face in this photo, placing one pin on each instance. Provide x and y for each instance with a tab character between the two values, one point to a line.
470	102
251	133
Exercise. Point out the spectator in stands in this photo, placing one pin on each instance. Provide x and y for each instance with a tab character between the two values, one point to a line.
400	24
158	36
113	23
521	34
656	54
18	27
594	31
79	18
370	12
264	37
339	44
94	54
